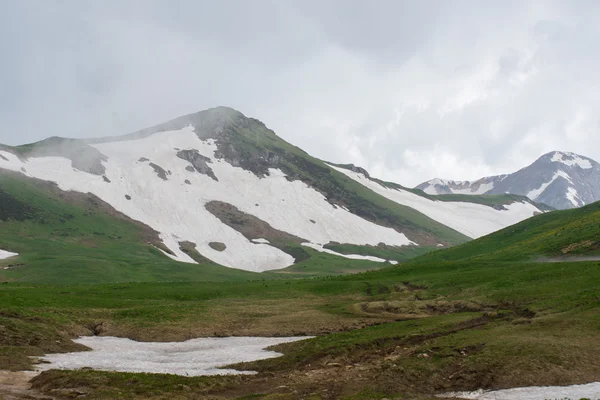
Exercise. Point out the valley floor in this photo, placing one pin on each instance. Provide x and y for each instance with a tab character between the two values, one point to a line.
409	331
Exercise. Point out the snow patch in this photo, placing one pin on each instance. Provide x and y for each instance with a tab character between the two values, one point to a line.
573	196
7	254
194	357
572	160
260	240
322	249
589	391
534	194
471	219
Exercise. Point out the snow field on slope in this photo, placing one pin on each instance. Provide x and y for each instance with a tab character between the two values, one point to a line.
177	210
589	391
322	249
473	220
195	357
6	254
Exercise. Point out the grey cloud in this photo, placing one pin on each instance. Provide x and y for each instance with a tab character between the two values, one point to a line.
409	90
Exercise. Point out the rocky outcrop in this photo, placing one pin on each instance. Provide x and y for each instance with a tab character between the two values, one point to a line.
199	163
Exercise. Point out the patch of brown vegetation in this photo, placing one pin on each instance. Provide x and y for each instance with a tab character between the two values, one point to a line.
190	249
249	225
577	246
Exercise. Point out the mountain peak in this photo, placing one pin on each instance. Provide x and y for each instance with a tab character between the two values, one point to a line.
560	179
569	159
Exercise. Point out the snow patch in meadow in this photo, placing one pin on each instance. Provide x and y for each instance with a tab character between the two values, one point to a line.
260	240
195	357
177	210
322	249
7	254
589	391
471	219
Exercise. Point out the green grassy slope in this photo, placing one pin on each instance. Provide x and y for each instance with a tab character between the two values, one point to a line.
557	234
408	331
66	238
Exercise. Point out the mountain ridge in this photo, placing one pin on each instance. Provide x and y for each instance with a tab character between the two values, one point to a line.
559	179
221	186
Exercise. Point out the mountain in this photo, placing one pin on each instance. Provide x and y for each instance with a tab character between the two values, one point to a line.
221	189
559	179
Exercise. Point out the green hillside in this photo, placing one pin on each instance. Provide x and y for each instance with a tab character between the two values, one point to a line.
558	235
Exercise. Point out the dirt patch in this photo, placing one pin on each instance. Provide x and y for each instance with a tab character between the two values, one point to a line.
190	249
249	225
577	246
218	246
16	385
567	259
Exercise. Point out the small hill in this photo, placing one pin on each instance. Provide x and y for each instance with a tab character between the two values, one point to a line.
566	235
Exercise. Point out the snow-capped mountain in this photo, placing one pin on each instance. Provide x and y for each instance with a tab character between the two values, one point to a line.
221	186
559	179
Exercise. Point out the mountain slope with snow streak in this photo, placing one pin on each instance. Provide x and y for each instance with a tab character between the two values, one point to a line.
561	180
176	208
471	219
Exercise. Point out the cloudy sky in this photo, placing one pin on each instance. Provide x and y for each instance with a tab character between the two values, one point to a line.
411	90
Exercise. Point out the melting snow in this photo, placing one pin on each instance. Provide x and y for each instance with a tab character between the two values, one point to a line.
473	220
534	194
574	159
260	240
589	391
322	249
6	254
190	358
177	211
573	196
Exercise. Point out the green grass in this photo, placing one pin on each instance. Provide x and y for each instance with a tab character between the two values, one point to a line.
517	323
555	234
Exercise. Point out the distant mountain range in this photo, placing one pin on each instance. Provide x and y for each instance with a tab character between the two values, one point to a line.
561	180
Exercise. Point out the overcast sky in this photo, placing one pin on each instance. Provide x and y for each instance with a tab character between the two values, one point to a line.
410	90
